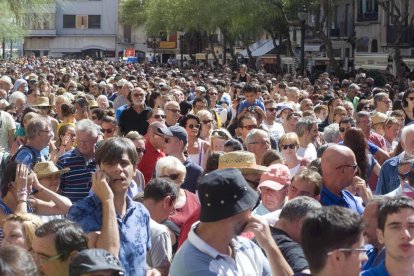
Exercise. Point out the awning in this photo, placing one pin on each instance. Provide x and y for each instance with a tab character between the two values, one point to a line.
409	62
70	44
313	47
260	48
373	62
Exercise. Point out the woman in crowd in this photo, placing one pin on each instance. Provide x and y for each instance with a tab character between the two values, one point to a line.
197	148
19	230
208	124
289	145
408	106
218	138
139	142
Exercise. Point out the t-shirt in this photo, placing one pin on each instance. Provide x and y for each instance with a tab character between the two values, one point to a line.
182	214
6	124
290	249
309	152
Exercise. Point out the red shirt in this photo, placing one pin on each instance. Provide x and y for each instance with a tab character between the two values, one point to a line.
378	140
182	214
150	158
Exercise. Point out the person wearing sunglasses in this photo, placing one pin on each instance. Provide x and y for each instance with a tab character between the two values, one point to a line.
218	138
172	112
289	145
245	125
408	105
197	148
275	129
109	127
187	203
208	123
339	168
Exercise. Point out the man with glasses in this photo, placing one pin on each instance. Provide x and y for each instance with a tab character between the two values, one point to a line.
382	103
364	122
38	133
333	243
258	142
54	244
135	117
395	230
339	167
275	129
156	114
352	95
307	131
172	113
245	124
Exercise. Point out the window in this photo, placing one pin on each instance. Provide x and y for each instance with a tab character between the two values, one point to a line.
94	21
69	21
374	46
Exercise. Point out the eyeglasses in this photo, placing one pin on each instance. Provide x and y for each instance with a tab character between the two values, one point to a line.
205	122
366	108
266	142
138	95
348	166
173	176
174	110
107	130
42	259
166	140
159	116
193	126
213	94
358	249
92	86
42	130
249	127
290	146
200	107
140	150
342	129
271	109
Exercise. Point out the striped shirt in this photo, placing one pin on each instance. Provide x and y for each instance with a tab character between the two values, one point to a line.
76	183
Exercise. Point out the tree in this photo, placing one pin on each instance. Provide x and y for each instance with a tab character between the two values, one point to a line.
397	11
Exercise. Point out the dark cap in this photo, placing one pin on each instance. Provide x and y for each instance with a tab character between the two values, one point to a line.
90	260
179	132
224	193
164	130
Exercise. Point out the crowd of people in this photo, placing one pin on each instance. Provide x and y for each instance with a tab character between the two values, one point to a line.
109	168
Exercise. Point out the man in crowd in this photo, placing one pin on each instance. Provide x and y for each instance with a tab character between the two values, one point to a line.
76	183
258	142
172	112
226	200
135	117
274	128
332	241
307	131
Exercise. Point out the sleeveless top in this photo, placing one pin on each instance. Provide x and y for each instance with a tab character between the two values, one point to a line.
198	158
7	211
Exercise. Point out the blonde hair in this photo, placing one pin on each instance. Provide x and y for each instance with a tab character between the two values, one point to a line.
30	223
289	137
169	165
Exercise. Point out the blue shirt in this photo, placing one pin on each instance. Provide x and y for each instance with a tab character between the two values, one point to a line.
194	172
29	156
388	179
244	104
379	270
134	230
346	200
119	110
76	183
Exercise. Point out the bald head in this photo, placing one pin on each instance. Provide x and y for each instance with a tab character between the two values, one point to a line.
338	167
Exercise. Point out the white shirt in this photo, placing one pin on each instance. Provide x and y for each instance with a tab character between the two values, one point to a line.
309	152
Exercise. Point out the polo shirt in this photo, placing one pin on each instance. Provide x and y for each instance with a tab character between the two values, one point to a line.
388	179
29	156
196	257
379	270
131	120
148	161
346	200
134	230
76	183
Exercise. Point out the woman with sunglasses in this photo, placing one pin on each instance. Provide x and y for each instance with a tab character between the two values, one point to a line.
408	106
197	148
186	203
289	145
218	138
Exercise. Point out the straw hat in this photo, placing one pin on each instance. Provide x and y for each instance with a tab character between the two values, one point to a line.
31	77
93	103
243	160
379	118
42	101
47	168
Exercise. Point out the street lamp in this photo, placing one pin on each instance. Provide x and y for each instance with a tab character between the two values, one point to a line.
154	43
181	34
303	16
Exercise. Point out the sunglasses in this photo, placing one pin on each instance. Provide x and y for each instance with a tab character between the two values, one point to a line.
173	176
193	126
138	95
368	107
249	127
213	94
205	122
140	150
174	110
107	130
219	133
271	109
159	116
290	146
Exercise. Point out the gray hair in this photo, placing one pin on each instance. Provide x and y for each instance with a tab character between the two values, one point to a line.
34	125
405	131
305	124
331	133
253	133
299	207
379	97
16	96
360	115
87	126
292	90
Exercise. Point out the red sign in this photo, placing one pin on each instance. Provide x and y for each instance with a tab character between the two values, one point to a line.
129	52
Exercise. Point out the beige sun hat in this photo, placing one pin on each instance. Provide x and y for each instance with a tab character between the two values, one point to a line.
243	160
42	101
93	103
47	168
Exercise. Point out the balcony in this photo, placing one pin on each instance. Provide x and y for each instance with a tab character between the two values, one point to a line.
367	16
41	33
407	37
